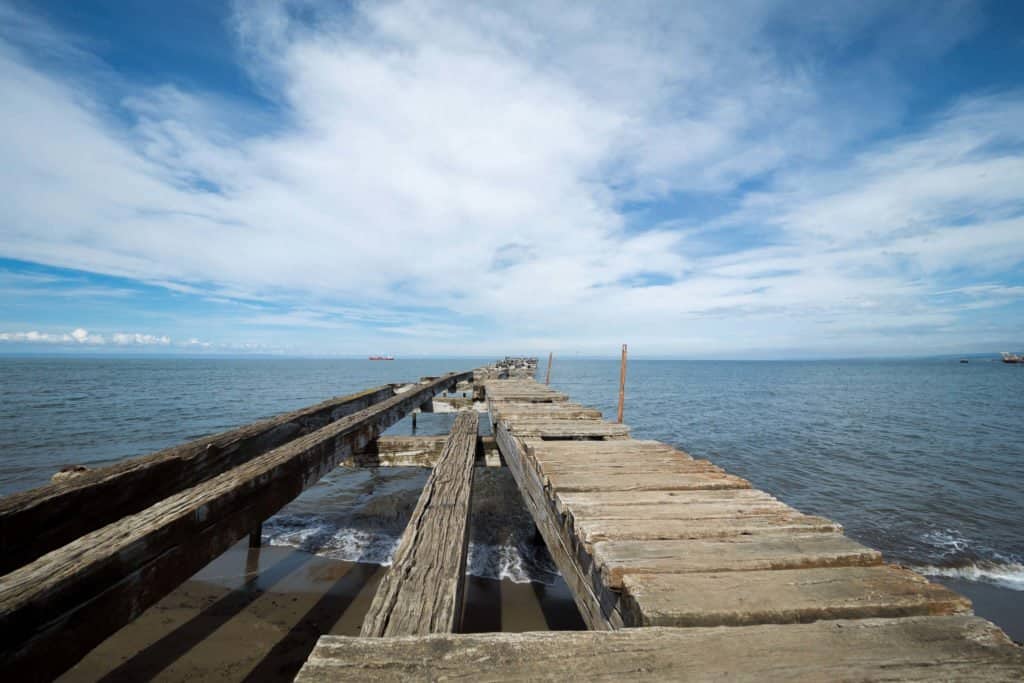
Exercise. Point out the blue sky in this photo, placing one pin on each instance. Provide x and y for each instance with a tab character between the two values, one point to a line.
744	179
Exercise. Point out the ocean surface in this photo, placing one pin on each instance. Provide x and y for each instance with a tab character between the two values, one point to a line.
922	459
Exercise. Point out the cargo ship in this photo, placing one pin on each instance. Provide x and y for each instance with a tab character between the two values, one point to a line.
1011	357
382	357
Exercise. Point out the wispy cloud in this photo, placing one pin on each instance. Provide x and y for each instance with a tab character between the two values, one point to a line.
534	175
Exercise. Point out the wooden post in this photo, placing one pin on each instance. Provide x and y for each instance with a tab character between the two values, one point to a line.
256	536
622	383
551	356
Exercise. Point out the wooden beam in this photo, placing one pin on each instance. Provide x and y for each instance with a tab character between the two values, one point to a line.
422	592
951	648
399	451
783	596
37	521
416	451
59	607
595	609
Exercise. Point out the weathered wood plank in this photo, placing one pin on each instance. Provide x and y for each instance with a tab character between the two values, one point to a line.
568	429
960	648
741	553
736	510
37	521
597	500
422	591
595	609
399	451
783	596
613	469
643	528
645	481
57	608
417	451
585	449
557	411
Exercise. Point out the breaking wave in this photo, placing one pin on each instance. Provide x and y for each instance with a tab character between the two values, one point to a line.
1005	575
365	525
949	554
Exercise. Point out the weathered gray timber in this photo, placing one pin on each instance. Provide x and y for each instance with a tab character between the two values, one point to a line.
615	559
37	521
787	595
57	608
399	451
596	607
960	648
514	410
646	535
422	591
569	429
417	451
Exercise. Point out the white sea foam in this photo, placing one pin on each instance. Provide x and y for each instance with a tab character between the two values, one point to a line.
1006	575
520	563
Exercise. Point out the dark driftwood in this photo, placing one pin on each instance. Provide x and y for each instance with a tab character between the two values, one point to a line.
422	592
37	521
57	608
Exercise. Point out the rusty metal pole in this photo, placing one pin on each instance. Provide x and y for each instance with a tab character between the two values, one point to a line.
551	355
622	383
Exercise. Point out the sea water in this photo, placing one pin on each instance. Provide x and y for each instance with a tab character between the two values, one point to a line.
921	459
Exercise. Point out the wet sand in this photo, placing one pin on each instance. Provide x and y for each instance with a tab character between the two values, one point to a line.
254	615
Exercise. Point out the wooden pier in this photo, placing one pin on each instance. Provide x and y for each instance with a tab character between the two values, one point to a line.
679	569
692	574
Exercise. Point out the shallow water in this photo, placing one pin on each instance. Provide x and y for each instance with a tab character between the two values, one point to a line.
921	459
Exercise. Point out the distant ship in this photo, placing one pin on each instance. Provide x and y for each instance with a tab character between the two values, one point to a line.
1011	357
382	357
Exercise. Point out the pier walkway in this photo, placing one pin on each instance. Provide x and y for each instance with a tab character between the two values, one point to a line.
692	574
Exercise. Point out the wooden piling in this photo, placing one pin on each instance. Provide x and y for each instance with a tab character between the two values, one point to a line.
547	378
622	384
256	536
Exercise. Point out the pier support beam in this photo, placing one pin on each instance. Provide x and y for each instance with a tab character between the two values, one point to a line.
59	607
256	536
34	522
422	592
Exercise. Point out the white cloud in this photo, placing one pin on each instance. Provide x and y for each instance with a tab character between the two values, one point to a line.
478	160
81	336
140	339
76	336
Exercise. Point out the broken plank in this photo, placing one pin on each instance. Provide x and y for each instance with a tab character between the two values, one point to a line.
37	521
740	553
961	648
60	606
783	596
422	591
